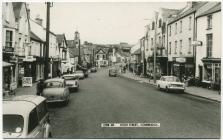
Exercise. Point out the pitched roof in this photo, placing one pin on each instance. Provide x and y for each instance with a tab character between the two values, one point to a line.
210	10
17	8
35	37
74	52
70	43
195	7
60	38
138	51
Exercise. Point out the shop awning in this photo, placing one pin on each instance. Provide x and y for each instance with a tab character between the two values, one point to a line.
6	64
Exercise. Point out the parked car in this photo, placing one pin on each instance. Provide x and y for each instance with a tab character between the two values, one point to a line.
72	81
170	83
26	116
93	69
113	72
79	74
55	90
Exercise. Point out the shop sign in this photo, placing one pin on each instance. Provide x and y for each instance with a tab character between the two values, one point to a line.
27	81
29	59
181	59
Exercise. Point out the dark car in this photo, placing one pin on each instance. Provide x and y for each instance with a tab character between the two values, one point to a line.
113	72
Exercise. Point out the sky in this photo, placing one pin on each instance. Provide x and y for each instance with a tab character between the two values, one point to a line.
101	22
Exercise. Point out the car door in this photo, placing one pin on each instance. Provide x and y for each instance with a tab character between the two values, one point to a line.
34	127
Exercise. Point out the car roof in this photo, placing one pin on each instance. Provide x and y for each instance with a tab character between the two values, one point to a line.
21	105
69	75
54	79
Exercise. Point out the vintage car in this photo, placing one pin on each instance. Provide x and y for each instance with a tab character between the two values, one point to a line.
55	90
170	83
113	72
26	116
80	74
72	81
93	69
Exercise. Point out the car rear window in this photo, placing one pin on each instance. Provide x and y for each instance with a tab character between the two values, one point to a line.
11	123
53	84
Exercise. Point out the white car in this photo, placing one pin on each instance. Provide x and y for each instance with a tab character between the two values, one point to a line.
80	74
26	116
170	83
72	81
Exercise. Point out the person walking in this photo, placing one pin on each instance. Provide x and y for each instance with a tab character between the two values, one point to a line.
39	87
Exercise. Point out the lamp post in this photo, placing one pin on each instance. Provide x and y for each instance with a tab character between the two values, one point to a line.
46	68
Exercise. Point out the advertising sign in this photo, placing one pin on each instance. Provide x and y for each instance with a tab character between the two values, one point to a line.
27	81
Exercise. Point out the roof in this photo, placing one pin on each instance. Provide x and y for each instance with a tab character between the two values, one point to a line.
6	64
35	37
24	104
70	43
138	51
60	38
17	8
74	52
210	10
195	7
54	79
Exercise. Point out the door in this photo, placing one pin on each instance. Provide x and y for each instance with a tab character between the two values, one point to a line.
200	73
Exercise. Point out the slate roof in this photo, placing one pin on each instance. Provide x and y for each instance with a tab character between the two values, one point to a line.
195	7
70	43
212	9
74	52
60	38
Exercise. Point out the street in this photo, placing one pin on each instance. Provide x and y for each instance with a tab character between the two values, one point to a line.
104	99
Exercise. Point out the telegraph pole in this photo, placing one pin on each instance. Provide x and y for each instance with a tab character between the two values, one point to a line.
46	68
154	53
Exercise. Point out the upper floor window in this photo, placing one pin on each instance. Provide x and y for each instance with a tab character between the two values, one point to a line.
153	25
181	46
8	40
169	47
160	23
163	40
189	45
151	41
209	22
190	23
181	26
175	47
209	38
170	31
175	28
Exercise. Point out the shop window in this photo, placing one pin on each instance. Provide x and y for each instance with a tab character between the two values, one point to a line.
217	72
209	45
8	40
207	72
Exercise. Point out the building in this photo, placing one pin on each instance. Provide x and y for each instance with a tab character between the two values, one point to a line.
10	59
181	33
208	44
101	57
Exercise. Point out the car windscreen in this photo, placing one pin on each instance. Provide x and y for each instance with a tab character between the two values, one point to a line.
70	77
172	79
13	123
53	84
79	71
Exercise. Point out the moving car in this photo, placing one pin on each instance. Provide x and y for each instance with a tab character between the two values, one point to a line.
79	74
55	90
113	72
170	83
93	69
26	116
72	81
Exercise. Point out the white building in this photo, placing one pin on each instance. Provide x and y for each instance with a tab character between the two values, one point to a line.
208	49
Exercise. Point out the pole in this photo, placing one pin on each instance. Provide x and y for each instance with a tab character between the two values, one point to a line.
79	50
46	68
154	53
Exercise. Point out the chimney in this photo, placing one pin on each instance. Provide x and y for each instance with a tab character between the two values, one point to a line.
39	20
28	11
191	4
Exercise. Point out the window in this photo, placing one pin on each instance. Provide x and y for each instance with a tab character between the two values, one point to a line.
97	56
163	40
209	22
180	46
189	45
42	110
33	120
8	40
151	41
169	47
175	47
153	25
189	23
209	45
175	28
160	41
170	31
160	23
181	24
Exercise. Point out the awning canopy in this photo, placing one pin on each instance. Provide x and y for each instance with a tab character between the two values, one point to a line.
6	64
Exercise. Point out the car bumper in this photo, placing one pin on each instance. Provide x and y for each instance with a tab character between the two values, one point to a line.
73	87
53	100
177	88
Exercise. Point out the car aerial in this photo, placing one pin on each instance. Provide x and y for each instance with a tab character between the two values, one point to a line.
93	69
80	74
113	72
55	90
72	81
26	116
170	83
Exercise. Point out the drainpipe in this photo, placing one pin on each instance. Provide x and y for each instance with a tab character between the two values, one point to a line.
194	47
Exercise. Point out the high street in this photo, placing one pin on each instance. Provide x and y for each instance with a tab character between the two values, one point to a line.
104	99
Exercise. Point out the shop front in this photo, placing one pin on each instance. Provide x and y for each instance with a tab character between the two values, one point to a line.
211	72
8	75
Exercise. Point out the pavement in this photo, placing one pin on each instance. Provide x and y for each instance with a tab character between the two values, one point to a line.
192	90
103	99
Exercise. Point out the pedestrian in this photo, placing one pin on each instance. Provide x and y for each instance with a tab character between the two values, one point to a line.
39	88
58	73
